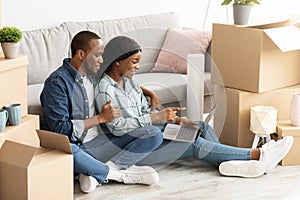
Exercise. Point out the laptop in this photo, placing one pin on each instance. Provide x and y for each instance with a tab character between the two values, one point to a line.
187	133
54	141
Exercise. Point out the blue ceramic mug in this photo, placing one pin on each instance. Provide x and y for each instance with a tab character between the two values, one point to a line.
3	119
14	113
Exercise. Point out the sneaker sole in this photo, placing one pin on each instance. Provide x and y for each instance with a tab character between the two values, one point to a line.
246	169
89	185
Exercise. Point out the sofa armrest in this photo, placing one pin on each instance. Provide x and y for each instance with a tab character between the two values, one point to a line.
195	86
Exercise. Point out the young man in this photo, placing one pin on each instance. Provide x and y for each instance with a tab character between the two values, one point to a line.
69	108
121	59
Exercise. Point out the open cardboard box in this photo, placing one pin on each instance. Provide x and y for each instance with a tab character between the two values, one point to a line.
35	173
256	58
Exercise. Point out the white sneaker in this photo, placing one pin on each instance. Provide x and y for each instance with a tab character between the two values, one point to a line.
274	151
140	175
243	168
87	183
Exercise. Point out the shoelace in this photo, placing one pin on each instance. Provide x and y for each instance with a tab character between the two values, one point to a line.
270	145
136	179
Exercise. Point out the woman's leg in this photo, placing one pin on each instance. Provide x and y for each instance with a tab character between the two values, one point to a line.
208	134
207	147
216	152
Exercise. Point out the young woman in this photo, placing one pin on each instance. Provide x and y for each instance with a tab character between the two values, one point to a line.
121	57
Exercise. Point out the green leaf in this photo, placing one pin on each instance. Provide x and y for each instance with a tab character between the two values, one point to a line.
10	34
226	2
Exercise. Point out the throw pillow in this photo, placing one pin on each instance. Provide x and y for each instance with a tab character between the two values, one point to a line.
177	45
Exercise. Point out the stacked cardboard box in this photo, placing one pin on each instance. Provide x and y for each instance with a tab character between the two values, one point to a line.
27	170
13	86
254	65
285	128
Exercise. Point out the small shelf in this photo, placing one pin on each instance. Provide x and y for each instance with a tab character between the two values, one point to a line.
9	64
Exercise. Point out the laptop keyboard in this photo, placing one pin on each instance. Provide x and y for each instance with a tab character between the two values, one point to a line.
186	133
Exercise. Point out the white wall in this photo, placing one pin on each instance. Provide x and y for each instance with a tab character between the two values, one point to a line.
37	14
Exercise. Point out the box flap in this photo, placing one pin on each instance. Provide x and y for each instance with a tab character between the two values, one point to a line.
54	141
16	154
265	23
286	38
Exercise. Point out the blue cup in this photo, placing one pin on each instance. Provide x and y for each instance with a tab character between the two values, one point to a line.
3	119
14	113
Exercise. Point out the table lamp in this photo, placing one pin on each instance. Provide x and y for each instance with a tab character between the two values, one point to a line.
263	122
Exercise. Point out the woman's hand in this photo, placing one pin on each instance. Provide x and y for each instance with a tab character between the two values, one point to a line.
108	113
167	114
185	122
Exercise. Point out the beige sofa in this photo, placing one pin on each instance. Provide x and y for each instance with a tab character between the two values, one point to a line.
47	48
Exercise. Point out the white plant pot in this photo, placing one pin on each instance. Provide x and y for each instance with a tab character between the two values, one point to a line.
241	14
10	49
295	110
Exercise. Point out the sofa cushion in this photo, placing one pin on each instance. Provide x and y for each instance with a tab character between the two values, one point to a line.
33	99
177	45
45	50
149	31
169	87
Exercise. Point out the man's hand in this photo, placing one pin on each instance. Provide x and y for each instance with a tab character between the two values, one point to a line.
154	100
155	103
108	113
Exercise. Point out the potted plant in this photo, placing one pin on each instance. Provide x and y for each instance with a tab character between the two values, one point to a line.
241	10
10	38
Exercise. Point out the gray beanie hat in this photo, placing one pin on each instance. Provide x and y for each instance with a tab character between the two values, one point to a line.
117	49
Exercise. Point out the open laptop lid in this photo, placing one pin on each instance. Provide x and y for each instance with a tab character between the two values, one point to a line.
207	119
54	141
210	115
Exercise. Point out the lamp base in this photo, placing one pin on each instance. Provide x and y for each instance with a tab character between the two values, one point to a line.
257	137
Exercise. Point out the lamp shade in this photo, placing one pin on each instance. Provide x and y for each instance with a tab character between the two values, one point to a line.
263	119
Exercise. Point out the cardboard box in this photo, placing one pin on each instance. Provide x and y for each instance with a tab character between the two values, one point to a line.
285	128
232	117
36	173
13	82
257	58
23	133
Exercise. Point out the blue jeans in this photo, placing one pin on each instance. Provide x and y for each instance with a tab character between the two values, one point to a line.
125	150
207	148
86	164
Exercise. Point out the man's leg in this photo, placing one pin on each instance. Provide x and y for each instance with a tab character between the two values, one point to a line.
87	165
92	172
127	150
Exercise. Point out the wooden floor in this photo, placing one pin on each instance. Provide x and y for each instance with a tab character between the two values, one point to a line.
194	179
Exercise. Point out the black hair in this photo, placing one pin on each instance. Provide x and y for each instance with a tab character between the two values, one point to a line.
81	41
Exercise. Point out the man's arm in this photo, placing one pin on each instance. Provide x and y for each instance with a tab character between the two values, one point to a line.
108	113
121	125
154	100
56	106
